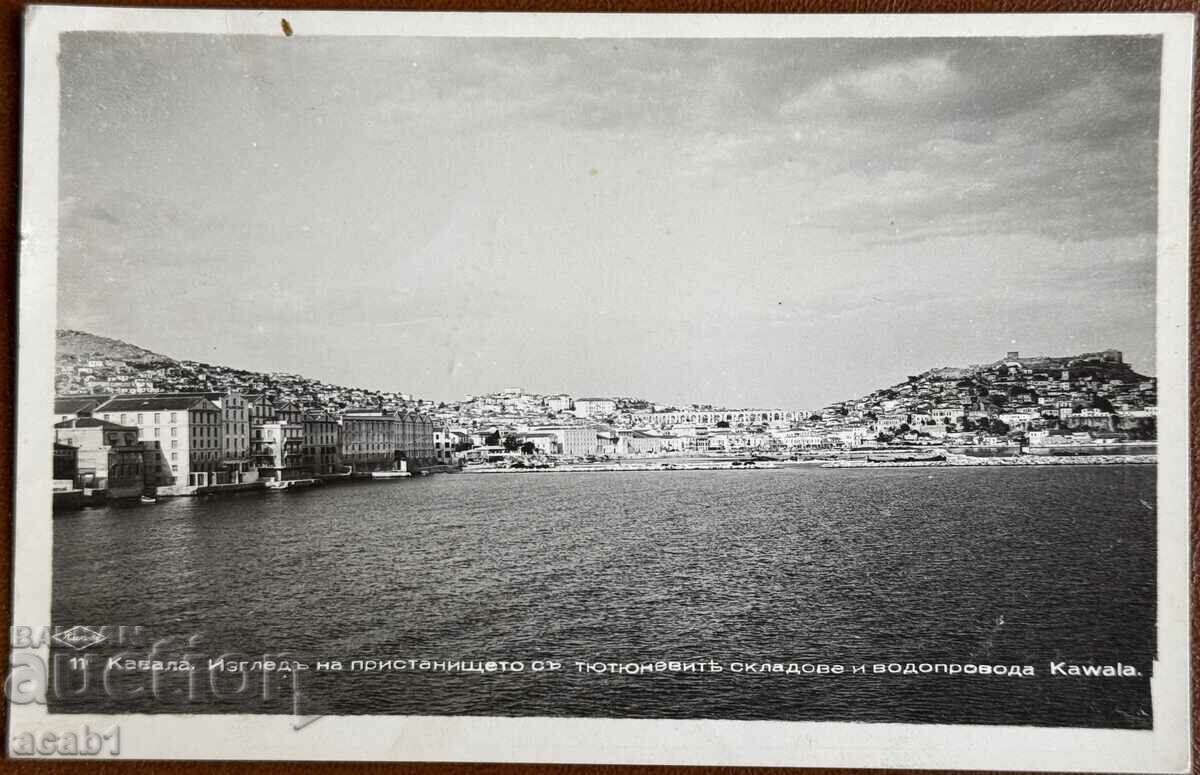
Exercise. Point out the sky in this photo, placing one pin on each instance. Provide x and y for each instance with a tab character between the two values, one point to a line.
747	223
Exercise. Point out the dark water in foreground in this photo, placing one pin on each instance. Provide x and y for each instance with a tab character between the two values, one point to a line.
991	566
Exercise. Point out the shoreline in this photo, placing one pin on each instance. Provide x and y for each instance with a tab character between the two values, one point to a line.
964	461
954	461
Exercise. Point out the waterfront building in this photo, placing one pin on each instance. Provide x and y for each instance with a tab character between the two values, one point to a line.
188	428
319	448
377	439
607	441
94	442
235	443
572	440
445	443
489	454
277	450
635	442
805	438
851	437
595	407
693	436
480	437
66	466
421	448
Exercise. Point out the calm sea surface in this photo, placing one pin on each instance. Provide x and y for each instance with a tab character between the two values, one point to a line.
1020	566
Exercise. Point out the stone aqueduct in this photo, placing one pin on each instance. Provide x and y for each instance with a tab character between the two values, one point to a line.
741	417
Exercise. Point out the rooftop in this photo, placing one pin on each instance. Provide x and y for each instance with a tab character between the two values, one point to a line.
77	404
153	403
92	422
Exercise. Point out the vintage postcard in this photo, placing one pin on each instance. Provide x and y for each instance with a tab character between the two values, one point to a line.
690	389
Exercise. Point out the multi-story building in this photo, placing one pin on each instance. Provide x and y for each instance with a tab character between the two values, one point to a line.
277	450
235	418
952	415
368	440
573	440
635	442
445	443
259	408
378	440
70	407
188	428
319	450
420	439
595	407
94	441
289	412
559	403
542	442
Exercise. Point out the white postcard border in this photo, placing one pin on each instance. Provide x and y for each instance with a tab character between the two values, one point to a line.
616	741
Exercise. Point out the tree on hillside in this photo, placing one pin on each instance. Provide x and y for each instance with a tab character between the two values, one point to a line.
528	448
492	439
511	444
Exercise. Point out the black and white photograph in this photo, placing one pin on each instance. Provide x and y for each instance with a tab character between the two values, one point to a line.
720	390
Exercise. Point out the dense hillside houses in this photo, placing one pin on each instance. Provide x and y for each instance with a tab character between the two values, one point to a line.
183	426
1082	399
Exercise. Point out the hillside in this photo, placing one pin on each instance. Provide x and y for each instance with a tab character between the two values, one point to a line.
1014	389
89	364
75	346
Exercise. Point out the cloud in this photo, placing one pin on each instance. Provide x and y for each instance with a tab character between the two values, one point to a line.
909	84
788	188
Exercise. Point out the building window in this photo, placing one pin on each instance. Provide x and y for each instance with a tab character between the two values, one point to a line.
140	418
174	444
174	431
174	456
157	418
156	433
172	417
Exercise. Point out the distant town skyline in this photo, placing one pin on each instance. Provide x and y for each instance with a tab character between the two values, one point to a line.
748	223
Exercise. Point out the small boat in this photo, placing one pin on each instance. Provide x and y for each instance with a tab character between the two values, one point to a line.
389	474
291	484
148	499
